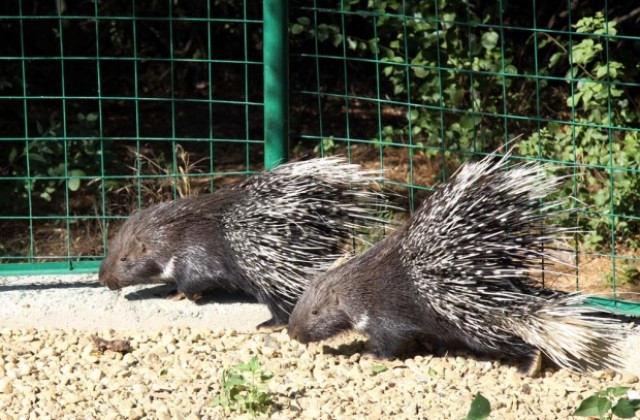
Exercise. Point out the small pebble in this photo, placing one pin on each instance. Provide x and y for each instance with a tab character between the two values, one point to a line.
175	374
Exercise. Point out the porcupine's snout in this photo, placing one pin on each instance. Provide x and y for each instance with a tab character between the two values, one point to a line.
110	281
298	335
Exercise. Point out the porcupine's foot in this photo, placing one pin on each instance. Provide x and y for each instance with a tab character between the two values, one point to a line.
401	348
531	367
178	295
279	317
272	324
387	345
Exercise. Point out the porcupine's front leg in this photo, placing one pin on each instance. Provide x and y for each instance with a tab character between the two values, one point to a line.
384	343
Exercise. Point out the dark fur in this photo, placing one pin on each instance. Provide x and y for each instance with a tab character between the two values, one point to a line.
375	284
150	238
266	236
458	274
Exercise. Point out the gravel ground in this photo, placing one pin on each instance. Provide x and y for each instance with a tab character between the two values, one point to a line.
50	367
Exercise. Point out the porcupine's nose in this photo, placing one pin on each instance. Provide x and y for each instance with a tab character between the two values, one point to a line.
296	335
292	333
110	281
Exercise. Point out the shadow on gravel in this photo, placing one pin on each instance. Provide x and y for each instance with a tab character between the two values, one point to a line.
362	347
45	286
165	291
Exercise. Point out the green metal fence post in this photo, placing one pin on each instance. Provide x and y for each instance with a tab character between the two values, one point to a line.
276	83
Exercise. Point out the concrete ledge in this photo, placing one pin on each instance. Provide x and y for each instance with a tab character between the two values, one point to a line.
80	302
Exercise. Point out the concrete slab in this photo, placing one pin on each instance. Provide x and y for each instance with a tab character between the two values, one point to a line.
80	302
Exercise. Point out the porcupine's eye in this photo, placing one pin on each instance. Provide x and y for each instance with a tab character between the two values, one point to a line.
314	312
123	259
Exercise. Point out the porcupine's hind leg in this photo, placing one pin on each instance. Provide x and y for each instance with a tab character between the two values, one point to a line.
496	344
528	358
531	366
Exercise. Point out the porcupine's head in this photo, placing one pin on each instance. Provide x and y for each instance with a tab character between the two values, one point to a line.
136	254
323	310
180	242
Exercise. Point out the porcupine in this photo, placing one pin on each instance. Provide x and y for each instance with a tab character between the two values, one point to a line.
266	236
462	273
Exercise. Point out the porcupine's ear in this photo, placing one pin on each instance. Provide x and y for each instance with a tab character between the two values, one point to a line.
141	247
335	298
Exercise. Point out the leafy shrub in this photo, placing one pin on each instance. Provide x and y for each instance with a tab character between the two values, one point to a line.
458	77
602	157
51	157
606	404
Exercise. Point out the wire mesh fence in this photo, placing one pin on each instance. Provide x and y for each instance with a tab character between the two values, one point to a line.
108	107
420	86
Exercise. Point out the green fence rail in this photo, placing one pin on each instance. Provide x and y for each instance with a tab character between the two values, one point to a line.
108	107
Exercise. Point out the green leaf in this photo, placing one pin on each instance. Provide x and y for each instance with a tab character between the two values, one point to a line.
373	46
432	372
13	154
252	366
37	157
296	28
352	43
388	70
593	406
601	71
490	40
574	100
303	20
234	379
480	408
511	69
57	170
420	72
554	59
618	391
337	40
379	369
625	408
74	180
220	400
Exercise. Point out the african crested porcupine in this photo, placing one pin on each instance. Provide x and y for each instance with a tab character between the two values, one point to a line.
461	273
266	236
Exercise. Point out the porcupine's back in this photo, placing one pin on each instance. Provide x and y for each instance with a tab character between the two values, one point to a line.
295	220
472	251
